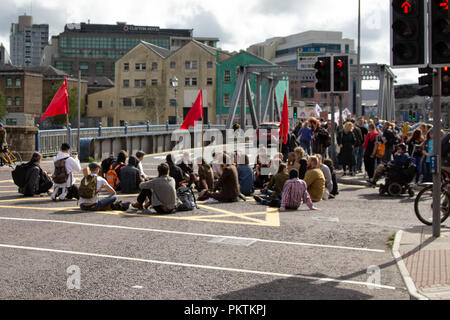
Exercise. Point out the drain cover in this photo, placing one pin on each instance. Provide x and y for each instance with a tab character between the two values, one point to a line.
233	242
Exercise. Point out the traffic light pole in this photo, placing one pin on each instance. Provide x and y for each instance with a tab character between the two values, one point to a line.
437	152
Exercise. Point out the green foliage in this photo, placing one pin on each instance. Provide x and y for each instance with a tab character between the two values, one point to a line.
2	106
73	105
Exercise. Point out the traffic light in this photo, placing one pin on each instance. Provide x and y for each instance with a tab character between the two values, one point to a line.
426	81
445	82
414	116
408	33
341	74
410	115
295	112
440	34
323	74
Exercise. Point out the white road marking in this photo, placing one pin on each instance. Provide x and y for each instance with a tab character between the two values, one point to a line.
197	266
193	234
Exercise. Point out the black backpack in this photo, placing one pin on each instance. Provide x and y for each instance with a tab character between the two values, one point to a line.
19	174
187	198
106	164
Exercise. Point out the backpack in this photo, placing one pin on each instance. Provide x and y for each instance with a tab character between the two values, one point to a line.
60	175
381	150
19	174
187	198
88	187
111	176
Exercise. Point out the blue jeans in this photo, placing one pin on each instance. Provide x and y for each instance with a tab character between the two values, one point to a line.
101	204
306	146
427	176
359	153
417	160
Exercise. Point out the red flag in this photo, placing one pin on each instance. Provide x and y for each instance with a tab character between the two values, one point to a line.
284	125
59	104
194	114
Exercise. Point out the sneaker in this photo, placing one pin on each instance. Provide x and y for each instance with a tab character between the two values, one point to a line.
138	206
124	206
257	199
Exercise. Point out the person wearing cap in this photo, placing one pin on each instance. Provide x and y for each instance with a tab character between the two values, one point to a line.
94	204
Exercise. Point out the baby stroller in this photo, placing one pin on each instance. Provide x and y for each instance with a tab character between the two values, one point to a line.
398	180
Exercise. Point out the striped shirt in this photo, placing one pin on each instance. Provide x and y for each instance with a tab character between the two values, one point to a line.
295	193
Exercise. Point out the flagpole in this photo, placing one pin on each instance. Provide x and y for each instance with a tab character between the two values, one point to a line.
68	130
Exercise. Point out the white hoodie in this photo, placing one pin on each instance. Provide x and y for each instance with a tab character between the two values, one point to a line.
72	166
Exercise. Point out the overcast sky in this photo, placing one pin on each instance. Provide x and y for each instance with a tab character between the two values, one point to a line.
237	23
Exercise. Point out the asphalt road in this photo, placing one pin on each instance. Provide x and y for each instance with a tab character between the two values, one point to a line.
220	251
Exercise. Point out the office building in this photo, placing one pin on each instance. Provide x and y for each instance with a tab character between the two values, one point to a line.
94	48
4	56
27	41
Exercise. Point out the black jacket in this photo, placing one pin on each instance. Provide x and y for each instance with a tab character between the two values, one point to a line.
34	179
176	173
129	180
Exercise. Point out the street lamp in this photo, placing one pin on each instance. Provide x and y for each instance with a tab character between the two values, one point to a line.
174	84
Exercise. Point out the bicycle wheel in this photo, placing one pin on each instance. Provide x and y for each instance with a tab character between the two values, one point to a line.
16	159
423	205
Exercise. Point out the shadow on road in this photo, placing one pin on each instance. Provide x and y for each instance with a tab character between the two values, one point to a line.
296	289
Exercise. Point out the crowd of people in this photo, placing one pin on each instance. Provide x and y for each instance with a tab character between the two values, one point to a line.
304	172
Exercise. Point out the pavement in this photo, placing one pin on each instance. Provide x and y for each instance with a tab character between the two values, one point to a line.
423	260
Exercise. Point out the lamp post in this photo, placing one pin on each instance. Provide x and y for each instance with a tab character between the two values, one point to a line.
174	84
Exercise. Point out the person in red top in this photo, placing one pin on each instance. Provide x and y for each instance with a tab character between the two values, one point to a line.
369	150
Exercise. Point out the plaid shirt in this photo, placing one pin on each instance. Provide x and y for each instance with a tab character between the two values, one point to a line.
295	193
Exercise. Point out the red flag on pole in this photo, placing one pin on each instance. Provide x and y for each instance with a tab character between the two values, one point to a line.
284	125
59	104
194	114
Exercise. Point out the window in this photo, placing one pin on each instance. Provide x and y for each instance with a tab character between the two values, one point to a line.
100	104
154	82
18	83
126	83
154	66
173	64
307	92
173	102
209	64
139	83
17	101
100	67
227	76
190	82
324	96
126	67
8	101
9	82
139	102
191	65
84	67
209	82
127	102
226	100
141	67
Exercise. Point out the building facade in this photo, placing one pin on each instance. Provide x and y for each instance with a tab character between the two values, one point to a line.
227	79
94	48
27	91
4	56
143	90
27	42
285	50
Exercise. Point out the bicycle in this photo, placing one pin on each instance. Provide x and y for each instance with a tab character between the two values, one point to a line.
423	204
10	158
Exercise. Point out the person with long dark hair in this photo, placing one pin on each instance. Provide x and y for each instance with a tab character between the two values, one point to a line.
37	180
415	149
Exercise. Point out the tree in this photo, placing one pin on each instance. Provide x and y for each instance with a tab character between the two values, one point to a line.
153	101
2	106
73	105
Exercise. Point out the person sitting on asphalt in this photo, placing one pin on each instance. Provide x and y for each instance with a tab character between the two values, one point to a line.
37	180
64	167
328	178
330	165
275	187
245	175
301	163
261	168
315	180
295	192
140	157
89	189
175	171
227	189
205	179
159	192
188	169
130	178
401	158
117	166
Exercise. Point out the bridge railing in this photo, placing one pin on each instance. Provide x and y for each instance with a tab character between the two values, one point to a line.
48	142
